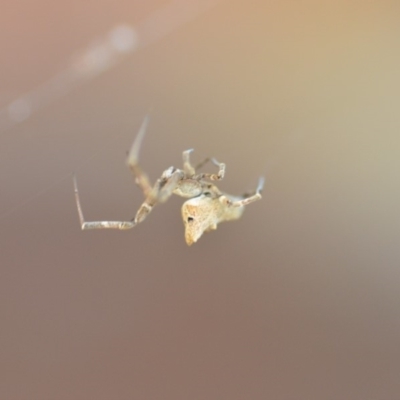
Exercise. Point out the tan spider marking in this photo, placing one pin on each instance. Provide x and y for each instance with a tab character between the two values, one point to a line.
207	205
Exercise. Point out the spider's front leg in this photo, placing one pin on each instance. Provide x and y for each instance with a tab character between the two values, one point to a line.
163	187
141	178
122	225
161	191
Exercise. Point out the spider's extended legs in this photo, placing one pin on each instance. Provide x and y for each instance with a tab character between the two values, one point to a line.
246	200
98	224
159	193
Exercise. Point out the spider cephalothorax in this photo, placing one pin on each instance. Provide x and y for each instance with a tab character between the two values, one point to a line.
207	205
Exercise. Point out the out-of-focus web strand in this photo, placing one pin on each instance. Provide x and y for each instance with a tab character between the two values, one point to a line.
107	51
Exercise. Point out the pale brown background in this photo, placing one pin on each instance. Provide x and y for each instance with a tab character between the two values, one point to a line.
299	299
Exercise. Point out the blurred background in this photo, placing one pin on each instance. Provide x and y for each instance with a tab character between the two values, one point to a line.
297	300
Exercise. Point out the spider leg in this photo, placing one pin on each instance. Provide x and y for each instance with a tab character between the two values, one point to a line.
160	193
187	166
202	163
190	171
212	177
98	224
205	161
141	178
247	200
168	182
163	187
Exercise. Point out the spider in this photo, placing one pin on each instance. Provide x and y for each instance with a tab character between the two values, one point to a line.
207	205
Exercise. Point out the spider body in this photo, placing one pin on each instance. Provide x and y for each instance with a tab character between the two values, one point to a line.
204	212
207	205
